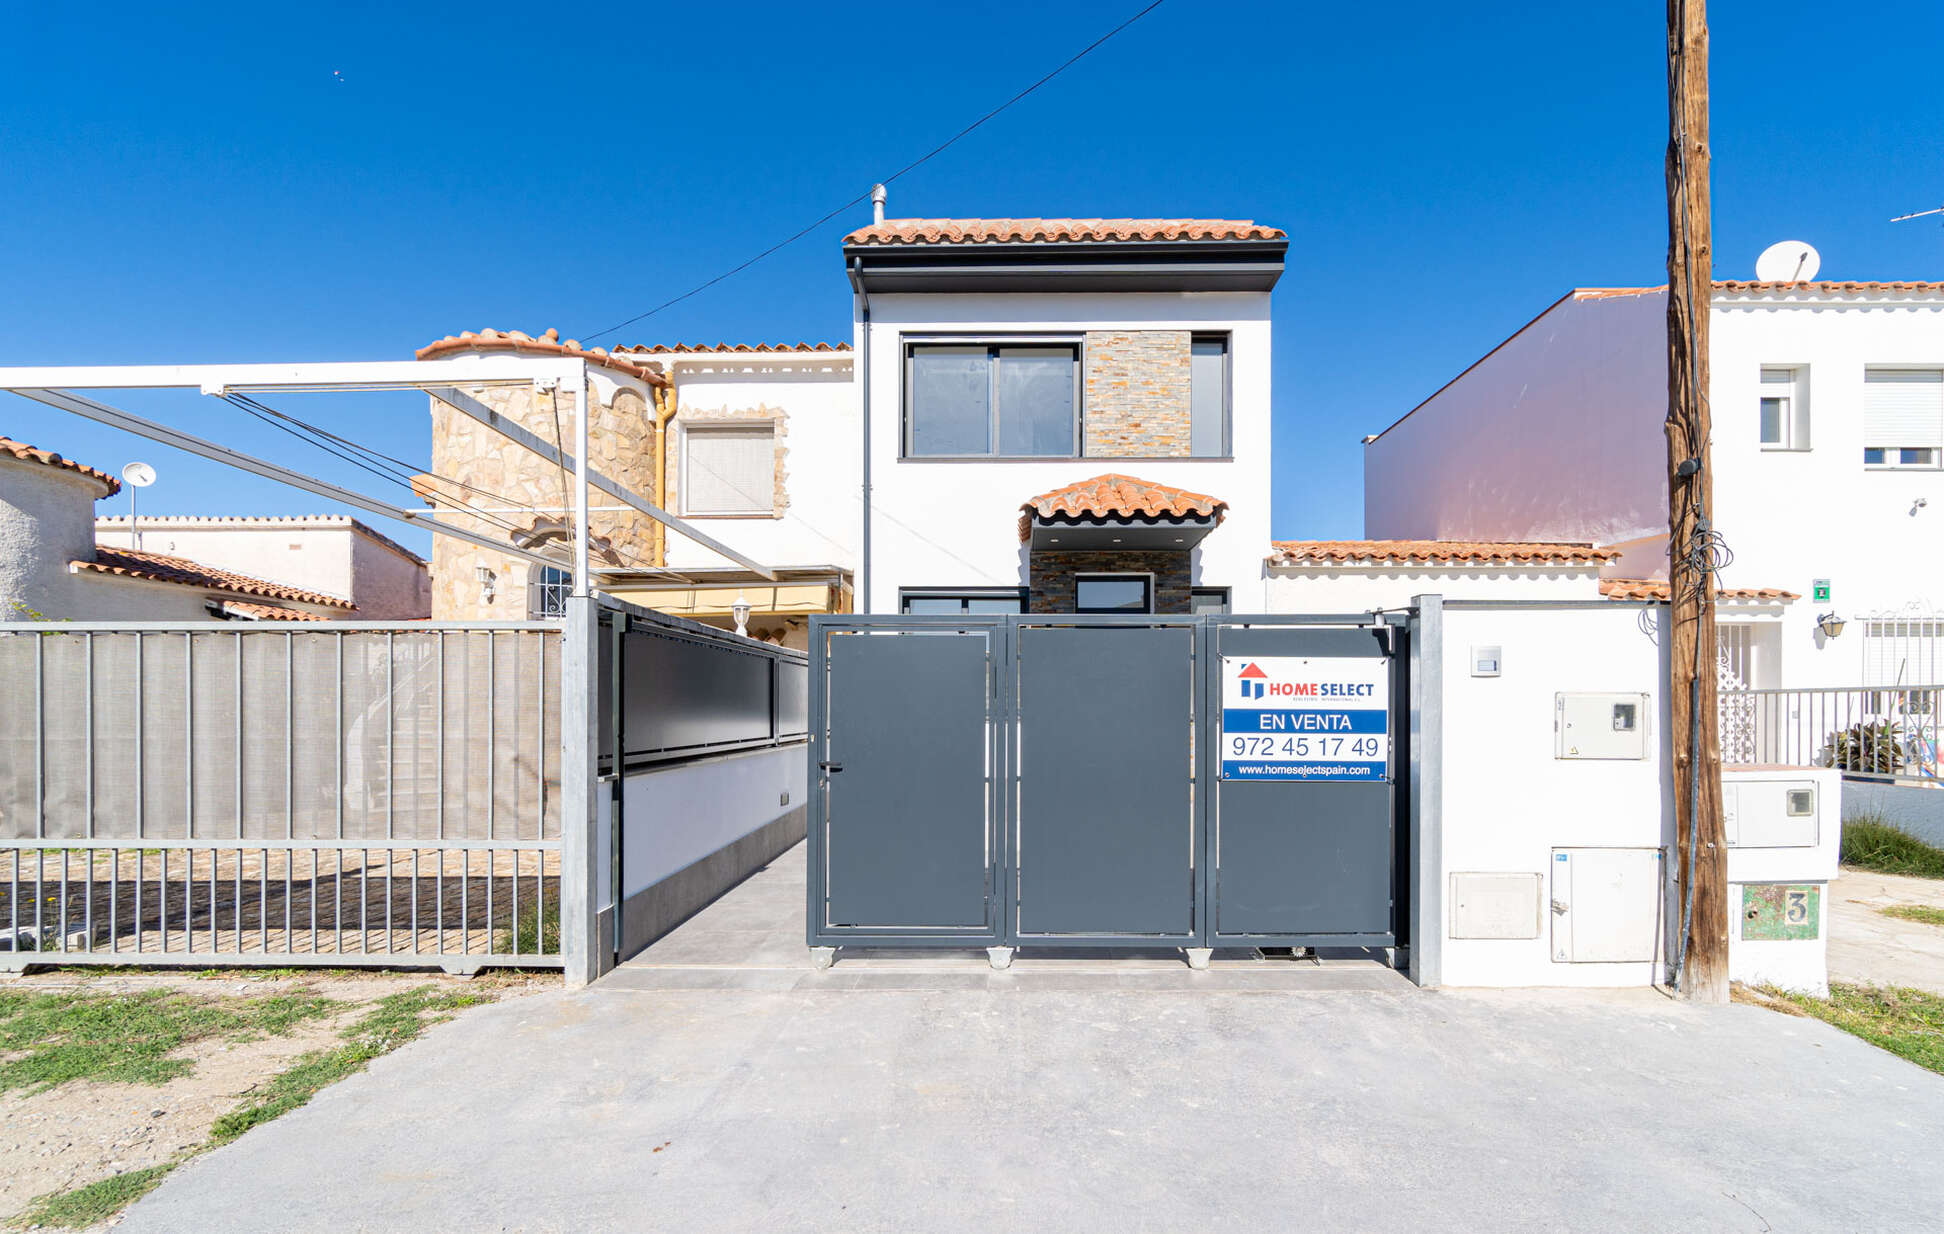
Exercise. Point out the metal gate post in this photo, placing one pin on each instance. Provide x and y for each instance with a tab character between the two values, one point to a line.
580	850
1426	957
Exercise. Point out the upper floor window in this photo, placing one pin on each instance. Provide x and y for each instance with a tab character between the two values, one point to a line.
1903	417
1785	409
1208	396
999	400
729	469
550	589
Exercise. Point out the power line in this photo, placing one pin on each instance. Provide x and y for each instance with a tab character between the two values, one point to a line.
916	163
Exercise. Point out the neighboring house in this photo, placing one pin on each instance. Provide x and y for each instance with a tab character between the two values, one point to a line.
1064	414
1828	463
329	553
51	566
753	443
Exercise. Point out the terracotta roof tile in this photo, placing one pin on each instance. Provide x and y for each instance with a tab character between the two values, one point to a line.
29	454
1739	286
549	343
1118	498
1441	552
1656	589
163	568
269	612
1014	231
668	349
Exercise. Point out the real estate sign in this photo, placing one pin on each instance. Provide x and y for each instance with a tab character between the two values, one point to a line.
1296	718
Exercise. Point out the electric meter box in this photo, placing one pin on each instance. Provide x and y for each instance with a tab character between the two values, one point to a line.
1778	813
1602	726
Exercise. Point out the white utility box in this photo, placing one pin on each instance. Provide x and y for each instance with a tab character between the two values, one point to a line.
1784	831
1606	905
1486	905
1612	726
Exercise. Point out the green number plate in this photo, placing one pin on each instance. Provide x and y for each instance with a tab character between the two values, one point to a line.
1781	912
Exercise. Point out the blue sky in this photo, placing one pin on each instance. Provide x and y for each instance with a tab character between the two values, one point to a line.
276	182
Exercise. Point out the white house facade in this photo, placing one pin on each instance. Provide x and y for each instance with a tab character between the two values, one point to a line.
1064	414
1828	463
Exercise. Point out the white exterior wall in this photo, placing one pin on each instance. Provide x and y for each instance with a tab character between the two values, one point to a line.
677	816
1792	964
46	521
1795	516
821	525
1556	435
955	523
1356	589
328	555
1507	802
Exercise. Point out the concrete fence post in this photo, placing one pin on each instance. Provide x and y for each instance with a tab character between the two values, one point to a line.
580	735
1427	792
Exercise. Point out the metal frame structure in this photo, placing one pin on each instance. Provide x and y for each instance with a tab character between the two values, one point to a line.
55	386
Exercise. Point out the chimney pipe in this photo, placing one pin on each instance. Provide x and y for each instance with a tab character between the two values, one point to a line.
877	203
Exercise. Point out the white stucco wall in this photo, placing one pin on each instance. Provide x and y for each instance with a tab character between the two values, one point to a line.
1556	435
820	526
1508	802
1795	516
46	521
678	816
955	523
328	554
1355	589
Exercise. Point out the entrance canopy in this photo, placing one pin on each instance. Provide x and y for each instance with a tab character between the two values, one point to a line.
1116	511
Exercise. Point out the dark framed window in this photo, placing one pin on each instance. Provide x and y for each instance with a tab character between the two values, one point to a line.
1208	396
1208	600
1113	593
550	589
946	602
991	399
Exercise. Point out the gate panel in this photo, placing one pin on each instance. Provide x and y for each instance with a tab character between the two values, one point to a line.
1294	862
906	818
1106	832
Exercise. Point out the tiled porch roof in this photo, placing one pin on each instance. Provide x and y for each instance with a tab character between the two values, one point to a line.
1657	589
548	344
164	568
1053	231
1437	552
1118	498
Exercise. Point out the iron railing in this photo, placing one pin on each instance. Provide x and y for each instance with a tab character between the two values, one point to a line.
1887	733
285	793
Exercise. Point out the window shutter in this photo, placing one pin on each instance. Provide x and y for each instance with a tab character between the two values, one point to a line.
730	470
1903	407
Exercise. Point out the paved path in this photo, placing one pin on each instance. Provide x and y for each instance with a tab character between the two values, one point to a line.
1866	947
721	1085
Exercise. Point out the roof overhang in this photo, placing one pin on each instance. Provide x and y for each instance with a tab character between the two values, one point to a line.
1066	536
1159	265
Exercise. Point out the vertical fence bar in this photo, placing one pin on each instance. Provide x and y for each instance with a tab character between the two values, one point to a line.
40	736
338	784
141	764
540	737
492	732
441	794
492	869
88	750
391	748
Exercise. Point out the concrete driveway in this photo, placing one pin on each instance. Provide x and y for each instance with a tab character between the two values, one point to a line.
719	1084
1868	948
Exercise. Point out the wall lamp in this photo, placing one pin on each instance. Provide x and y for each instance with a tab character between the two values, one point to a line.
1831	625
740	611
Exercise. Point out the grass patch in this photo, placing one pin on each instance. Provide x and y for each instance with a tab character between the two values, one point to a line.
1908	1023
1870	843
1916	912
93	1203
392	1021
532	934
52	1038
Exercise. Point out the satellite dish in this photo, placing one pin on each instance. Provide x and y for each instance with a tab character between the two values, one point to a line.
141	475
1791	261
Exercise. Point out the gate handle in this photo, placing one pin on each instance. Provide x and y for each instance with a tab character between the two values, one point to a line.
831	768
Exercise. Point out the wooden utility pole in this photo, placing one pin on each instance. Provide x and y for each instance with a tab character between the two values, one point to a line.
1701	851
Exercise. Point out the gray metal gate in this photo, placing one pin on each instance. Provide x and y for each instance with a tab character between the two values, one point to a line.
1058	780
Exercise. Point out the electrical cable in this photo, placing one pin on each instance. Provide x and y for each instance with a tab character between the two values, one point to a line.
935	151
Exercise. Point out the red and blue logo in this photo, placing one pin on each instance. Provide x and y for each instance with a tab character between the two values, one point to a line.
1252	678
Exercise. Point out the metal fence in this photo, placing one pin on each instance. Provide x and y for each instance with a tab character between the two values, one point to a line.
285	793
1868	733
